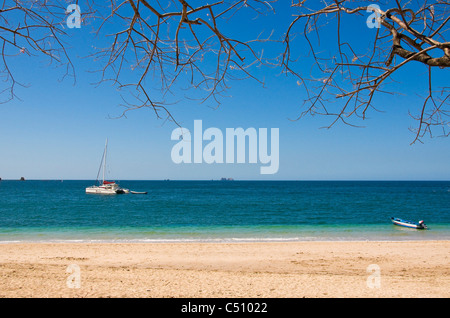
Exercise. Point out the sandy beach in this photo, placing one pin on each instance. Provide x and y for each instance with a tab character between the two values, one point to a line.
294	269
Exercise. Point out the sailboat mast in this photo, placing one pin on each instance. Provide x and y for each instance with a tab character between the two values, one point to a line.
104	159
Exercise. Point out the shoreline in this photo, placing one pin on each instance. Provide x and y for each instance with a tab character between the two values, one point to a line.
217	241
224	234
312	269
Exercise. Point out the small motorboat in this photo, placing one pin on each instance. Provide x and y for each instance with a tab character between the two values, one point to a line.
137	192
414	225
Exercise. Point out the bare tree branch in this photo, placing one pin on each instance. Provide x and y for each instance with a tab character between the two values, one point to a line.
163	51
32	29
351	80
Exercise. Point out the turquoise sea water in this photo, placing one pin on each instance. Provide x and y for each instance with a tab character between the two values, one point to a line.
223	211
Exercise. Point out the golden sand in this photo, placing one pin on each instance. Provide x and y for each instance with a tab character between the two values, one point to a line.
294	269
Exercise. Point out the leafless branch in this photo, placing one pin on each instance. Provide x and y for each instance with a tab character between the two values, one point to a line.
408	32
161	52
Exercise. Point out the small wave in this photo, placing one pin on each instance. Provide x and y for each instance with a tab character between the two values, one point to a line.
220	240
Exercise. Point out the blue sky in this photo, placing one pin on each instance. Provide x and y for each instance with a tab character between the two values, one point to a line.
57	129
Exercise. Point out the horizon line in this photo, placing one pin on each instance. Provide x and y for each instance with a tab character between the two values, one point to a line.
232	179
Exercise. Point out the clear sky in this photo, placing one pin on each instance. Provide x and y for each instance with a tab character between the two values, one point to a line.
57	129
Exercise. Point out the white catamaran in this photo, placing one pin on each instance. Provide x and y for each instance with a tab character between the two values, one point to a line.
106	187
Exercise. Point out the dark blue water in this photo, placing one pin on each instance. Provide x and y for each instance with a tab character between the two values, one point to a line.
223	211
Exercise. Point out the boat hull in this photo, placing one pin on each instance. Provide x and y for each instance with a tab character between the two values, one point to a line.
99	190
108	189
408	224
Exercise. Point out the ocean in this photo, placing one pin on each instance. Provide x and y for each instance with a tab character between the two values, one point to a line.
223	211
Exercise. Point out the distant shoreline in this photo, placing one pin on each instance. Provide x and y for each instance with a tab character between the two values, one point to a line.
234	180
